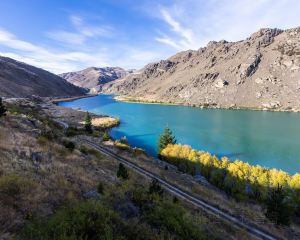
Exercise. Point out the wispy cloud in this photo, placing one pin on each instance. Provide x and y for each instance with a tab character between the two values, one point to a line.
192	23
81	32
59	61
54	60
168	41
184	32
184	36
67	37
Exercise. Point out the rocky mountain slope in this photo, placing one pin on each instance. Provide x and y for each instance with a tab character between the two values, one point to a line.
93	78
18	79
262	72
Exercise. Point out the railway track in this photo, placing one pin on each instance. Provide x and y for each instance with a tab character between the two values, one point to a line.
198	202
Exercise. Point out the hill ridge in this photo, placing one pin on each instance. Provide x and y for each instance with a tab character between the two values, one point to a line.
259	72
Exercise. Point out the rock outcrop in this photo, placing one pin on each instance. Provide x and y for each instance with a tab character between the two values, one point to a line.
261	72
18	79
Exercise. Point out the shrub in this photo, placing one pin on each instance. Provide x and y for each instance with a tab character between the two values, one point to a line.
83	150
48	134
170	216
2	108
139	151
88	123
71	132
121	145
124	140
42	140
155	188
277	207
154	219
69	145
84	220
94	152
13	185
105	137
122	172
100	188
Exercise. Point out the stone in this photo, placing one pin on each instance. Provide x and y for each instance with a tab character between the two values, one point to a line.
271	105
220	83
288	63
259	80
258	95
92	195
248	69
36	157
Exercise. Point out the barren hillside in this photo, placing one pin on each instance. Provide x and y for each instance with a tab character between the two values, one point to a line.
18	79
262	71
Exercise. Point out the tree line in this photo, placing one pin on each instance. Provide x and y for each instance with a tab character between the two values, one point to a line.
277	189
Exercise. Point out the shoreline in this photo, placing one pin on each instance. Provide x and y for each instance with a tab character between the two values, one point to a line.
70	99
143	101
154	102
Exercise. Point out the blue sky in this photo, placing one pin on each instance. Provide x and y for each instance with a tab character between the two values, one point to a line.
68	35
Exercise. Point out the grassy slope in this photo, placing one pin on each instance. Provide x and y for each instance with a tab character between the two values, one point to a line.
39	175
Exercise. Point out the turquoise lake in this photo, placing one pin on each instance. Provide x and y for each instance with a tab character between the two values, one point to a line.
269	139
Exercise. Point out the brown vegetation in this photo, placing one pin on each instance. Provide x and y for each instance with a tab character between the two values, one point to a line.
39	174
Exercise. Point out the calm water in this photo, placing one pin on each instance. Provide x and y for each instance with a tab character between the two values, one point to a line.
270	139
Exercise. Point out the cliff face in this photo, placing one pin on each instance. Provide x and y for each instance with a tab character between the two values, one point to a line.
93	78
18	79
262	71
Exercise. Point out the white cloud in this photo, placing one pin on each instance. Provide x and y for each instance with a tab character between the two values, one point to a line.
67	37
195	22
91	30
81	32
168	41
59	61
185	35
56	61
76	20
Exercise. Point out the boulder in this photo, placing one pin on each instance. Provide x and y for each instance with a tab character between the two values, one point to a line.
220	83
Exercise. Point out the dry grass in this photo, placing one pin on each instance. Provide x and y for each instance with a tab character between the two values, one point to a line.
103	122
37	186
41	174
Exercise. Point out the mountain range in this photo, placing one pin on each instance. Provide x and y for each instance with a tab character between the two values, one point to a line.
93	78
260	72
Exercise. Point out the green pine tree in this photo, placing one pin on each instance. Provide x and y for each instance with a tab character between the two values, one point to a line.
122	172
88	123
278	209
165	139
2	108
105	137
